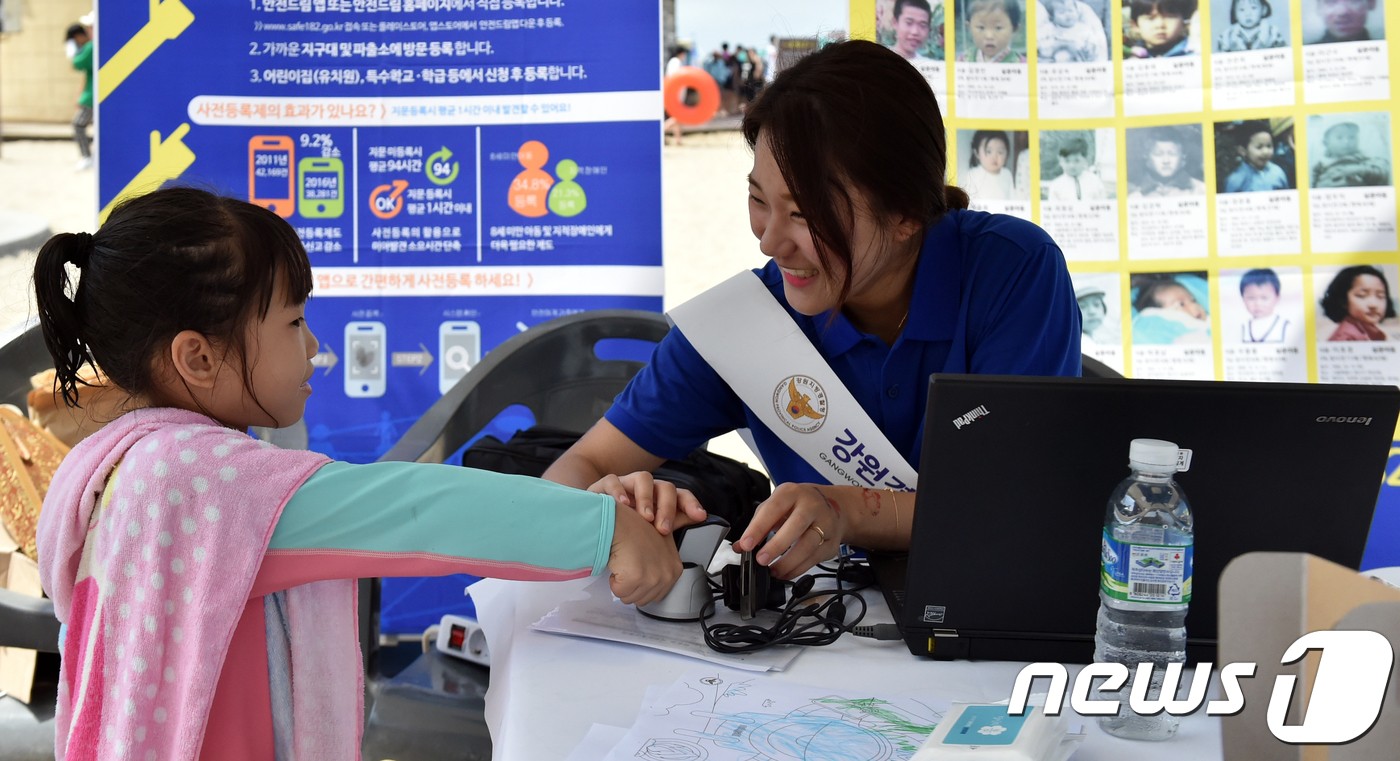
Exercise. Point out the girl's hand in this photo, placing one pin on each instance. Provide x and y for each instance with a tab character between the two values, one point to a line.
644	564
660	502
810	528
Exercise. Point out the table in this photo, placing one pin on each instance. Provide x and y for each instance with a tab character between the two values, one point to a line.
547	690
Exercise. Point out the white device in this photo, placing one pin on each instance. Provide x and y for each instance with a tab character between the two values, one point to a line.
459	349
365	359
462	637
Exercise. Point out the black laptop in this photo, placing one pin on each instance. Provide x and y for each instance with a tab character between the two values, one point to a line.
1016	473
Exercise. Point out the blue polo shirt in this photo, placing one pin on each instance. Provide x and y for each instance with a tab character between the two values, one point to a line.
991	296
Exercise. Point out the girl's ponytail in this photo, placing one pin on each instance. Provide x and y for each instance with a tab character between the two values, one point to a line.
61	317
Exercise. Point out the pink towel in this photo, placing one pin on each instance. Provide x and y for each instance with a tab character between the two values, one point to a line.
151	588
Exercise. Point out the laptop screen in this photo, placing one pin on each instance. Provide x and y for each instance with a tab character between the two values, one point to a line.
1016	472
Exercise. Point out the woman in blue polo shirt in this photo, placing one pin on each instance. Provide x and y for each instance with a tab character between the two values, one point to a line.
885	271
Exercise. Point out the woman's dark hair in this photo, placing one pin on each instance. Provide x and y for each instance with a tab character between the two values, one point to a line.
176	259
981	137
854	114
1265	10
1334	300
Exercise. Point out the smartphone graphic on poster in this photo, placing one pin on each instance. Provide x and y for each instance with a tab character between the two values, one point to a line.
270	175
365	359
459	349
321	182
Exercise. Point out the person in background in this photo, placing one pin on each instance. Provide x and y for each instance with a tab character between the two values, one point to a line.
885	273
78	39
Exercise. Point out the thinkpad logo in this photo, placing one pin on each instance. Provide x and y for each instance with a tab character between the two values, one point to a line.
971	415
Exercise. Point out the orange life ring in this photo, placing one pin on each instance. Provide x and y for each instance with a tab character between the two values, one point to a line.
691	78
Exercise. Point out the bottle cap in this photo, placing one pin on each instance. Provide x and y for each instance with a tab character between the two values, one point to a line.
1155	453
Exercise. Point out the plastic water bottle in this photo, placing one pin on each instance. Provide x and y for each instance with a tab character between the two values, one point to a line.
1145	586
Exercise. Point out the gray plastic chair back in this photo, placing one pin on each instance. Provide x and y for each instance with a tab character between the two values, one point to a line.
552	368
1096	369
20	359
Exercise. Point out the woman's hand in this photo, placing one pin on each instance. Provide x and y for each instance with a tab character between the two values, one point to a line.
810	528
644	564
660	502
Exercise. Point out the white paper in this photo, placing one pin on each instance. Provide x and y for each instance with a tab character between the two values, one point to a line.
722	715
600	739
601	616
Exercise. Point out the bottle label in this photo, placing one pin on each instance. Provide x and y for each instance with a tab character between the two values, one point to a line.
1138	572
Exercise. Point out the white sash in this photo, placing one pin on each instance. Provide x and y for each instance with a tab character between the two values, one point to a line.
753	343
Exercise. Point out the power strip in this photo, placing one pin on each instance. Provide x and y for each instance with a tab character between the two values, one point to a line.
461	637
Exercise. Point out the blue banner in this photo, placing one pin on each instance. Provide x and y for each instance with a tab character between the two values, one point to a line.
459	170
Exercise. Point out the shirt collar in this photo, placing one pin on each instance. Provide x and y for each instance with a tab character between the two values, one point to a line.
933	313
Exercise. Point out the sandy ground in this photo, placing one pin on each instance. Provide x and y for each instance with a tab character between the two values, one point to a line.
706	229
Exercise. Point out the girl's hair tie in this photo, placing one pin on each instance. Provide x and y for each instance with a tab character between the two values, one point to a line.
81	250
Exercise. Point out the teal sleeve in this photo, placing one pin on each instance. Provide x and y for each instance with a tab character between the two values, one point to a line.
447	511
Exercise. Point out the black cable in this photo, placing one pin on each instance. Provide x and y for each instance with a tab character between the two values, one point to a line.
802	621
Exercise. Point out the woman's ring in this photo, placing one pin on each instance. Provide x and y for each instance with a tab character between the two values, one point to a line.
821	535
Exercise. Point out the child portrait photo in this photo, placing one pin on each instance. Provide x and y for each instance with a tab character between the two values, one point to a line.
992	31
1349	150
1165	161
1250	155
1330	21
1263	305
1160	28
1241	25
1078	165
990	162
1099	313
1170	308
1356	303
1071	31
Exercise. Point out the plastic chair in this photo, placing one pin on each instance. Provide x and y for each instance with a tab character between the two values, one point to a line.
1096	369
552	368
26	622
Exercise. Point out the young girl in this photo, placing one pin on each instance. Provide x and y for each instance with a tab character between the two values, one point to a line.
1358	300
206	579
991	25
987	176
1248	30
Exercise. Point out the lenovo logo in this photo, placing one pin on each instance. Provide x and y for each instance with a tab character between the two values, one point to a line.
1343	419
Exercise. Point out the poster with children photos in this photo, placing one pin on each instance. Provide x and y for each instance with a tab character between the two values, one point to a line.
1358	333
991	77
1262	324
1251	63
1352	200
1345	54
996	170
1074	73
1258	210
1078	192
1211	138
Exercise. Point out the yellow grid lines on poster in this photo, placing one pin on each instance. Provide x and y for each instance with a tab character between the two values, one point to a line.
1218	174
